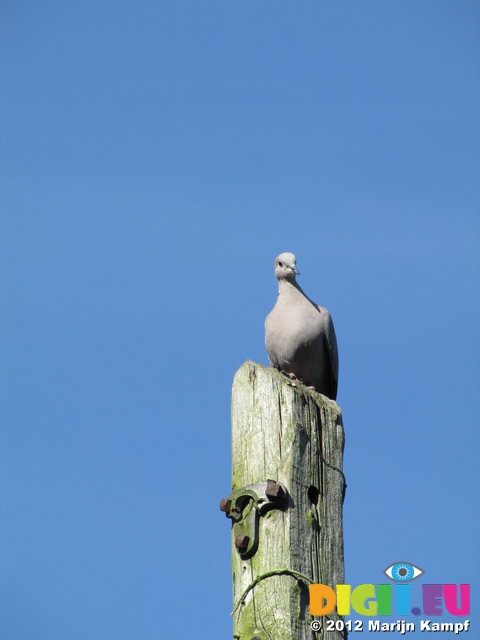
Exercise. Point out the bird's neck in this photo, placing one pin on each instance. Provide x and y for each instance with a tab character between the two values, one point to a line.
289	288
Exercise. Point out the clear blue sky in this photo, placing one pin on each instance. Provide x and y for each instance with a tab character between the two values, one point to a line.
155	158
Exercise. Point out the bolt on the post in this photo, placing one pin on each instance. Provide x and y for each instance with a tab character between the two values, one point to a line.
241	542
274	490
225	504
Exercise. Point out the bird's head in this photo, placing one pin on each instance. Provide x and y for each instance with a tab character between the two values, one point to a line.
286	267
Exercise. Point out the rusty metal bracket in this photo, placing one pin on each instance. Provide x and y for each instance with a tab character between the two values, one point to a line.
245	507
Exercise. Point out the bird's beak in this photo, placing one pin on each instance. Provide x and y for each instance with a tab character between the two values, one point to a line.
295	270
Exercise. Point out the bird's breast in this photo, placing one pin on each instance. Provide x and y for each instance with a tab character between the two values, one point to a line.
288	329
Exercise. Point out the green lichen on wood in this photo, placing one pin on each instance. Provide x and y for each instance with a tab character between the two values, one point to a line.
310	518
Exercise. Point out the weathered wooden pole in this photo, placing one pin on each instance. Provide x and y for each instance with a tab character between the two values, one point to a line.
287	434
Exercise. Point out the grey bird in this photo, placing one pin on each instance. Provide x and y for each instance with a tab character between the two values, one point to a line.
299	335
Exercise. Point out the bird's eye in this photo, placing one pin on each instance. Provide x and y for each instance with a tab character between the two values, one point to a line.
280	264
403	572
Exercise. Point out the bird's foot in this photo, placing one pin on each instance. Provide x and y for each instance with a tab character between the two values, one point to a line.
290	375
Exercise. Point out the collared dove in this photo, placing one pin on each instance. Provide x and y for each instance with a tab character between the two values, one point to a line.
299	335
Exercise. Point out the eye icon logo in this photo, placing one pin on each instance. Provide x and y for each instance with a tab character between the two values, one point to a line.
403	572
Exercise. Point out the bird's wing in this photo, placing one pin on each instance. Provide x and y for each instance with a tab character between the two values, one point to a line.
331	343
269	339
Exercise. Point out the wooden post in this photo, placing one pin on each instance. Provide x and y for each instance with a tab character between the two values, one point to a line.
285	432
